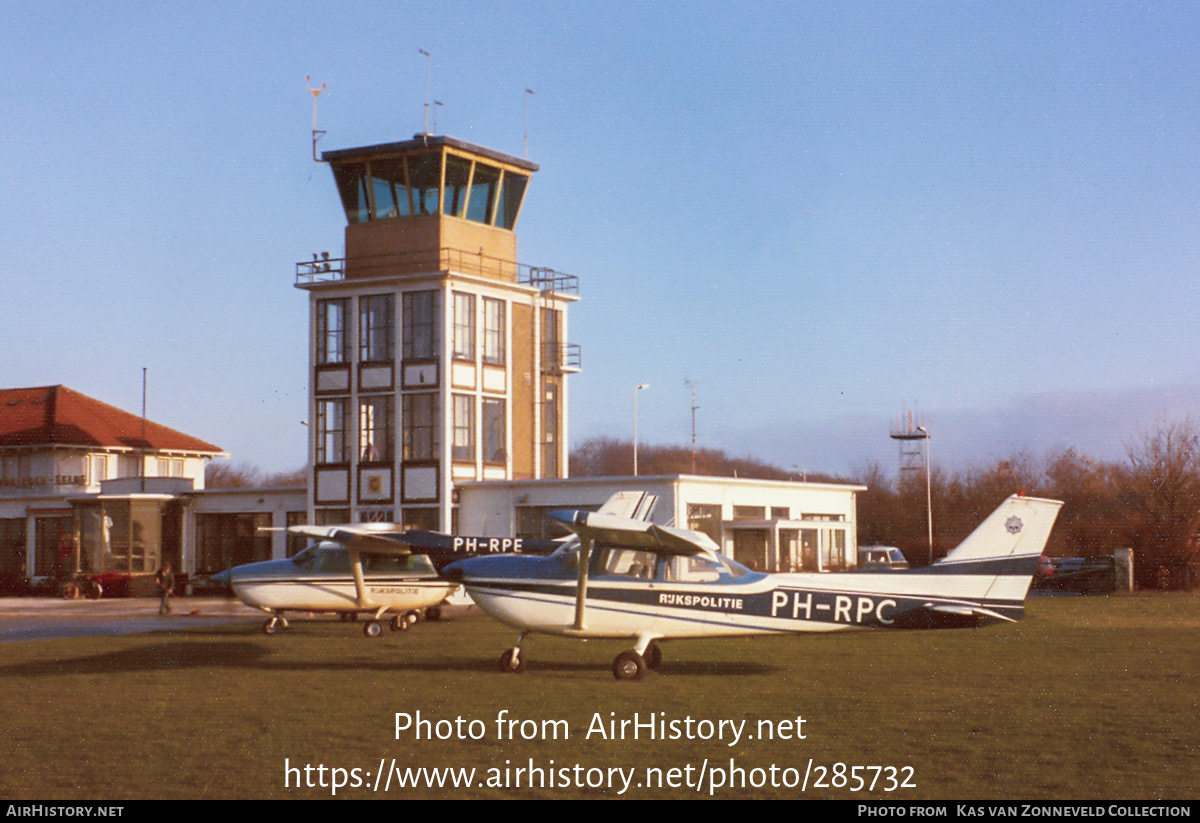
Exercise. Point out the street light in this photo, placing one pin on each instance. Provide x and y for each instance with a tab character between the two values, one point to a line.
928	492
636	389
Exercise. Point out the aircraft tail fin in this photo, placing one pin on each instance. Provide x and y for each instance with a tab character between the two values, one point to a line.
986	578
1020	527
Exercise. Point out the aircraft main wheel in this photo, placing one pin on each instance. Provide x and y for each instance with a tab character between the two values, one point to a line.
653	656
95	590
399	624
507	664
629	666
411	618
433	613
373	628
272	625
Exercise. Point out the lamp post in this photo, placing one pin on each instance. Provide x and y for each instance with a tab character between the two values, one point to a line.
928	491
636	389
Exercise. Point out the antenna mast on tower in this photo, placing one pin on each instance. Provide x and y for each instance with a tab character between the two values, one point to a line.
912	437
525	98
428	86
692	384
914	449
316	134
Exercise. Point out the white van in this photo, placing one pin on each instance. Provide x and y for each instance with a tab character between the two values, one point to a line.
876	557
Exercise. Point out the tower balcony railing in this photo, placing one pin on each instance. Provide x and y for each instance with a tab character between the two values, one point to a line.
325	269
548	279
562	358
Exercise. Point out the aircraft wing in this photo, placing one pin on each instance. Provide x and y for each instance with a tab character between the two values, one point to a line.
612	530
632	504
362	538
437	542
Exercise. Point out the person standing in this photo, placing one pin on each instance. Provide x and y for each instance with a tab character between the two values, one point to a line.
166	585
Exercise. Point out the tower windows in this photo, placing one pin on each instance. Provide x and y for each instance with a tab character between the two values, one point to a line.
464	326
494	426
375	429
493	332
375	328
331	431
332	331
404	186
419	420
464	428
420	325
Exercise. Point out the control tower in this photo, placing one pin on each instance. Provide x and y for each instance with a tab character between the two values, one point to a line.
434	357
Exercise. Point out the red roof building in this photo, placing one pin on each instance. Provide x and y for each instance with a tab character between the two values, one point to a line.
59	416
87	487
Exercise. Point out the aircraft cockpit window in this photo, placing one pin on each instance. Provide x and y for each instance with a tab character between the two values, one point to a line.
568	556
693	569
419	563
305	559
382	563
333	560
630	563
734	568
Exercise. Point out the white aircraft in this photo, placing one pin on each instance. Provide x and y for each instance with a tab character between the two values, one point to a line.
374	569
339	576
645	582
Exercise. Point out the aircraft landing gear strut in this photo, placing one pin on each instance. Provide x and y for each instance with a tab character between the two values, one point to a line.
275	624
403	622
513	661
634	663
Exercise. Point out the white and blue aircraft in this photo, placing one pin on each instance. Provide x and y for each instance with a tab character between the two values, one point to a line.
375	569
633	579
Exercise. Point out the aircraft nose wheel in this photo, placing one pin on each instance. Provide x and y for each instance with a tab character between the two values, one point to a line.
513	660
272	625
373	629
629	666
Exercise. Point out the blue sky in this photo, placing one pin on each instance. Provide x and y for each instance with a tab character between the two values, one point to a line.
823	214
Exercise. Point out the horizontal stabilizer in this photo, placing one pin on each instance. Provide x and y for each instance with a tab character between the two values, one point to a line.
947	616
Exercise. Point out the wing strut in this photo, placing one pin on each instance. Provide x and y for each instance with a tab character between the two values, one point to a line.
360	585
585	557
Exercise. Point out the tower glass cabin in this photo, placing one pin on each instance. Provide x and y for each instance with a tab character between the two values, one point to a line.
435	357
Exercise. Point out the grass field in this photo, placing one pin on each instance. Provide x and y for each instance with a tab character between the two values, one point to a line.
1087	698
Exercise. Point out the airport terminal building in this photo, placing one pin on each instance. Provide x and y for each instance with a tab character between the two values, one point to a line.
438	376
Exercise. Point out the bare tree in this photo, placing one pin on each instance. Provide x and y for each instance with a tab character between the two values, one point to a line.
221	474
1161	491
609	457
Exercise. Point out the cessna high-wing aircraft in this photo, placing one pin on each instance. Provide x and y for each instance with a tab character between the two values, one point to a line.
374	569
329	576
646	582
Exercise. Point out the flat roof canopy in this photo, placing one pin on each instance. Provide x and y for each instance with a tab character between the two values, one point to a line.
427	141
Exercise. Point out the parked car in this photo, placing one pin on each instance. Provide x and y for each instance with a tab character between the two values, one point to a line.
1095	573
881	557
